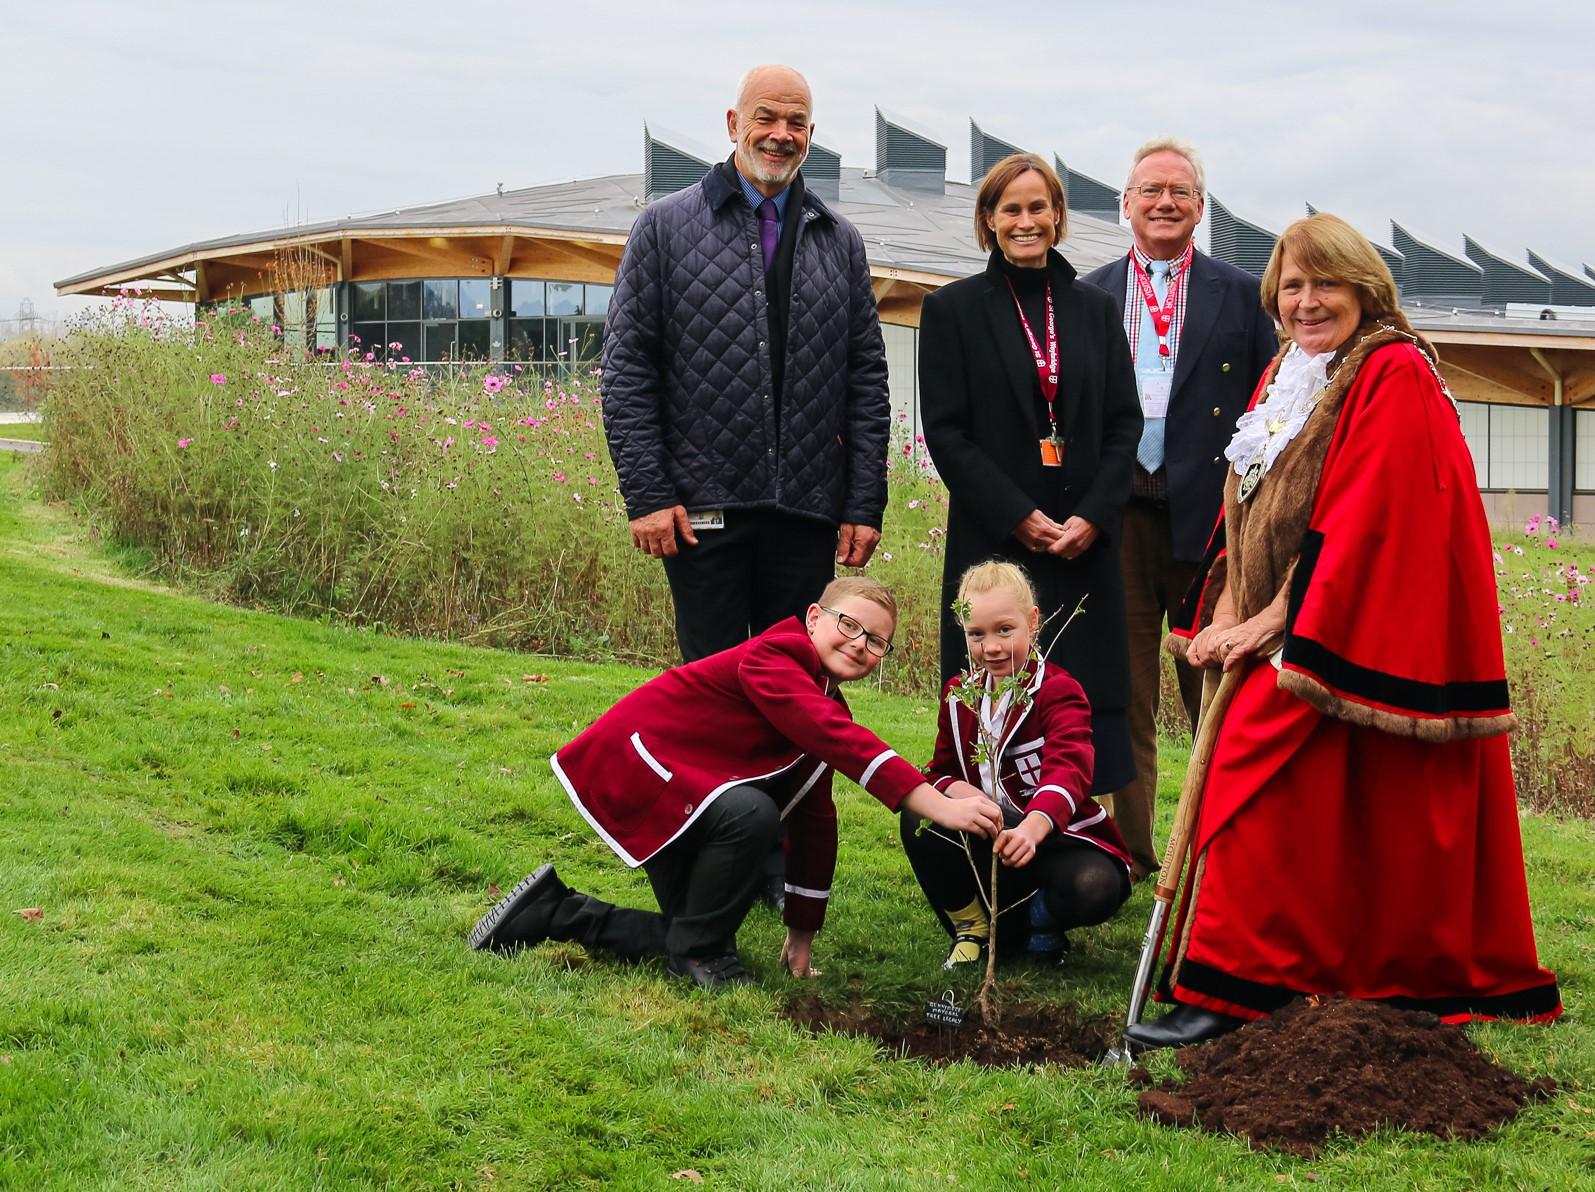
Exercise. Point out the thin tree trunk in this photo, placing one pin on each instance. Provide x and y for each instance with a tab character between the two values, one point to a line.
985	1002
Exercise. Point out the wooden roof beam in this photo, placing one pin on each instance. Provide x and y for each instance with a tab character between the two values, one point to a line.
1510	368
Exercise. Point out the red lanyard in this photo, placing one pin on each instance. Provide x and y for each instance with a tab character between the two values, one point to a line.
1162	316
1046	362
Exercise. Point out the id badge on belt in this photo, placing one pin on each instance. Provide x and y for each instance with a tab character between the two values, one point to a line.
1052	453
707	519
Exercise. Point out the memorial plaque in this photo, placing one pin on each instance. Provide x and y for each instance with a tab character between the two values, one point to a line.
945	1012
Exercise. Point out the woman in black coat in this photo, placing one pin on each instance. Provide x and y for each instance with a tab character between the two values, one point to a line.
1034	435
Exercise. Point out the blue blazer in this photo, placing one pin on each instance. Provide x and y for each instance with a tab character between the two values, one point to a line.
1226	342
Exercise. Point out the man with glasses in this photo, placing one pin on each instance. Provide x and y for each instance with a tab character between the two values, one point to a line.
1200	340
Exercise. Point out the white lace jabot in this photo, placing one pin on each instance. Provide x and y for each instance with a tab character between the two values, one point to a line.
1290	400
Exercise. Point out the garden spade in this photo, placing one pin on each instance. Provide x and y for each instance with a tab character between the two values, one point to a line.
1168	878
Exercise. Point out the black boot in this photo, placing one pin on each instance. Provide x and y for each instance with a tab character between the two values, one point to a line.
522	917
1181	1027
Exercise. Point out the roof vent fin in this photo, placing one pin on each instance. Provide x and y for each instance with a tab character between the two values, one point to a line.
986	151
667	168
1238	241
907	159
822	172
1085	194
1437	277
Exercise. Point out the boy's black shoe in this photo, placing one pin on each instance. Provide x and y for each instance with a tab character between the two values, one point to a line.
522	917
713	972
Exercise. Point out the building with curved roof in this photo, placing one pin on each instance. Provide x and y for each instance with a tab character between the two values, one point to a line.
526	275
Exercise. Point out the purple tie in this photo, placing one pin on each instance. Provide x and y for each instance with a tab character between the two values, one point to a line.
769	232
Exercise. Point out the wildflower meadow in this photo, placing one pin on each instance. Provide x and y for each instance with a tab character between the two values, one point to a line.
467	501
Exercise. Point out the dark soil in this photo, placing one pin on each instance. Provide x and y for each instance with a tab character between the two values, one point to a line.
1028	1035
1352	1067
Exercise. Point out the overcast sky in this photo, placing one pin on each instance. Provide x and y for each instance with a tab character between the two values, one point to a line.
134	128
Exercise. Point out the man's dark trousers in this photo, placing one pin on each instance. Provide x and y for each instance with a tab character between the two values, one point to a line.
761	568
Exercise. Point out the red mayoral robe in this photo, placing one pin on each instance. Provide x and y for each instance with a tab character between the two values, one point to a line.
1358	830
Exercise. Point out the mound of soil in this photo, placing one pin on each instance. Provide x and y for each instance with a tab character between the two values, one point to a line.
1027	1035
1318	1067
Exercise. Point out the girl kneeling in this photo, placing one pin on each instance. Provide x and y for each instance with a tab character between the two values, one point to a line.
1018	729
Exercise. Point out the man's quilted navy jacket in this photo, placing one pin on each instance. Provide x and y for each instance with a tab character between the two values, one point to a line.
688	406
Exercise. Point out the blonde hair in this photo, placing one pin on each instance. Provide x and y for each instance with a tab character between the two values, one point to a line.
862	586
1327	246
1170	145
1000	177
996	575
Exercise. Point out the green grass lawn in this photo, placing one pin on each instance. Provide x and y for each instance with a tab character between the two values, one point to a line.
258	844
31	431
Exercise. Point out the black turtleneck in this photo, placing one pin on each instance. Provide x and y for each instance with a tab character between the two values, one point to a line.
1031	286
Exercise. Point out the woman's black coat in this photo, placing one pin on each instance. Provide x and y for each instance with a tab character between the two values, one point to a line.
978	397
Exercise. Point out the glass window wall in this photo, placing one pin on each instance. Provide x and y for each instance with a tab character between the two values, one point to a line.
1584	450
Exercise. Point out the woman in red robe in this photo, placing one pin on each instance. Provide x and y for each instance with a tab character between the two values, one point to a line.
1358	826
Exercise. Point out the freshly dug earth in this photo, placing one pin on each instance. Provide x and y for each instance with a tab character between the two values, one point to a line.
1318	1067
1027	1035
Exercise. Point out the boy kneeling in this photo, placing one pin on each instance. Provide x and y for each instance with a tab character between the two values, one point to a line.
690	776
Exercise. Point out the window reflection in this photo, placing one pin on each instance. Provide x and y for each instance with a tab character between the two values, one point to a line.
476	299
441	300
369	301
526	297
564	298
404	300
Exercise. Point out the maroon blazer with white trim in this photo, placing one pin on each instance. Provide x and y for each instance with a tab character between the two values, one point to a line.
1044	757
762	713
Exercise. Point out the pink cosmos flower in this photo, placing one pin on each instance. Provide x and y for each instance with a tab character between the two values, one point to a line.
492	383
218	378
489	441
184	442
559	478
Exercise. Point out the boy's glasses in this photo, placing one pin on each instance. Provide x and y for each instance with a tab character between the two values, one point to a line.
852	630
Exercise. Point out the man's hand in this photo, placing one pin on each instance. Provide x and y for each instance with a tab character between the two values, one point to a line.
655	533
1016	847
977	814
1075	539
795	953
855	544
1037	532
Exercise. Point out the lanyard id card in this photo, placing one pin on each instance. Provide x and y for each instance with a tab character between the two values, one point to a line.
1046	376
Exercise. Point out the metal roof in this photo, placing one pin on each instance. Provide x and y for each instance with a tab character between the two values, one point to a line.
922	231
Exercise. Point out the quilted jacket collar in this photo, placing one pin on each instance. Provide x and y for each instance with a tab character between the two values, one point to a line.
720	186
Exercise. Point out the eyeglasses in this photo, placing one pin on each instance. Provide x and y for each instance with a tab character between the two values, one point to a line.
852	630
1178	191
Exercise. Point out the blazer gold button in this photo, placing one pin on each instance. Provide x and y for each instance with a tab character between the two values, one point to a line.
1224	368
1216	411
687	809
1216	458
